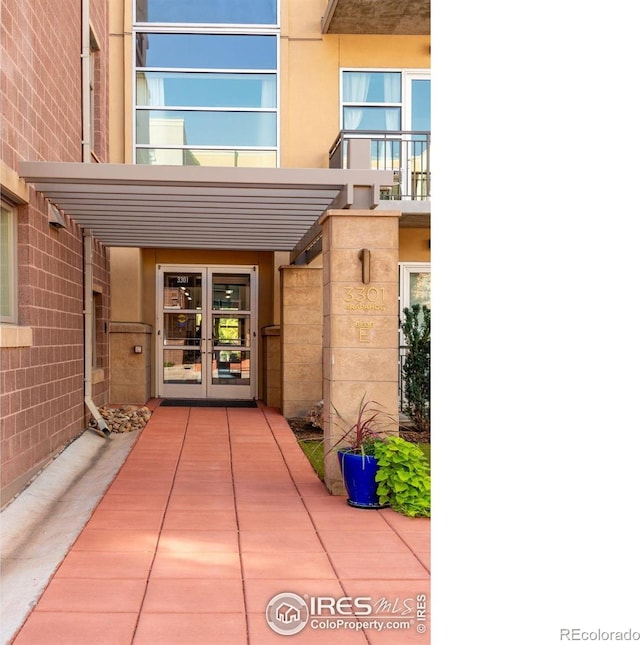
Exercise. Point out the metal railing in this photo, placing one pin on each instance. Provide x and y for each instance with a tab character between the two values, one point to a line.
406	153
402	354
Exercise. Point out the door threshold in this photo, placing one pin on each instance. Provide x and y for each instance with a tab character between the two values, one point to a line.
208	403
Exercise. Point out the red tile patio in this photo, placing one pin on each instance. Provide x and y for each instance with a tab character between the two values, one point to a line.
214	512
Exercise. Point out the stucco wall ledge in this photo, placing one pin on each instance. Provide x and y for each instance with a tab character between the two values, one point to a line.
130	328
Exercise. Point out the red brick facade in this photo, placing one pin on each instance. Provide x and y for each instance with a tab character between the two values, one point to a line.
42	385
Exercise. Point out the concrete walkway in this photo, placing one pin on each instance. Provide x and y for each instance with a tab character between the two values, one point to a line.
39	526
215	512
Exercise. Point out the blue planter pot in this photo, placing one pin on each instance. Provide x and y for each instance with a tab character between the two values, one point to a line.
359	475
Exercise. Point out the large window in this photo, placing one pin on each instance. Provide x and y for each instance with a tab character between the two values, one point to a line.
371	100
260	12
8	304
387	101
208	96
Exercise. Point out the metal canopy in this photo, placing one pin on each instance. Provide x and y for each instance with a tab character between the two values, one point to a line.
201	207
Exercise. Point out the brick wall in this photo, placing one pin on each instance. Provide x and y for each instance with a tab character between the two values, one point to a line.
42	385
41	89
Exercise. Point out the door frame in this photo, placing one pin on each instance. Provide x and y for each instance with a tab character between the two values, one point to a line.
405	269
411	145
408	76
206	389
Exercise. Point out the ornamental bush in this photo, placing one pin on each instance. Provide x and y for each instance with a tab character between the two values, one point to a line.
403	477
416	369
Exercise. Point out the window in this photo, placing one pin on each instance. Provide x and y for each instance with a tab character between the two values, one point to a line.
97	336
8	269
386	100
208	96
92	89
392	108
259	12
371	100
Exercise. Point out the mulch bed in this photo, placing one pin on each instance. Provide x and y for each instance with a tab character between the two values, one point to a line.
302	429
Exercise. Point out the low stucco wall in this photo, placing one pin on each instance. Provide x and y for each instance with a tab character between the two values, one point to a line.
130	372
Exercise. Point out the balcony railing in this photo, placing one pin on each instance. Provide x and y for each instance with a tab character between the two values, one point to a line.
405	152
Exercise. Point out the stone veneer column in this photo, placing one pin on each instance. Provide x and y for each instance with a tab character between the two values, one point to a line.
360	326
301	339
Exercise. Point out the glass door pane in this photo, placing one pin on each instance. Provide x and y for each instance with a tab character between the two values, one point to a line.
420	288
182	353
420	104
415	286
231	331
182	290
181	335
417	119
231	366
232	334
231	292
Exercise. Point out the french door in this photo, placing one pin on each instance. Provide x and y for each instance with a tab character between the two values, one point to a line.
206	331
417	101
416	105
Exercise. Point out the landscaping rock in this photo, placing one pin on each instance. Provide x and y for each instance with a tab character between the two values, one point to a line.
125	419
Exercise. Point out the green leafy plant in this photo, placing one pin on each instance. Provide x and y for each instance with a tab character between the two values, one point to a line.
367	429
403	477
416	369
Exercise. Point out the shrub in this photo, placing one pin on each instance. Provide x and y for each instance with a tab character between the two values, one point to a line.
416	370
403	477
368	427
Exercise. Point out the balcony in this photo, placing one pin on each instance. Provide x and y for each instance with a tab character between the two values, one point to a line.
407	17
406	153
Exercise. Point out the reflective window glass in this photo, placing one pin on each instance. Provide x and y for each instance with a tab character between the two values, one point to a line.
182	291
232	332
183	366
193	89
261	12
420	288
182	329
421	105
206	51
196	157
182	127
7	265
371	118
182	353
207	157
232	292
372	87
230	367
